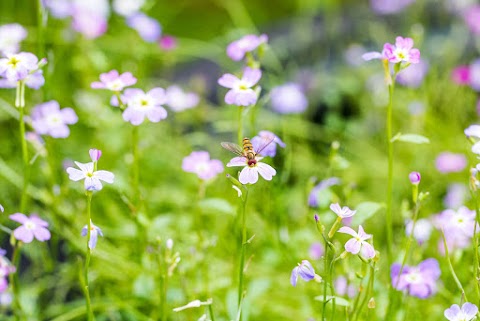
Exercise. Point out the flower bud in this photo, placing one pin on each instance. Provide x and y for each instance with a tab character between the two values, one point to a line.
414	178
95	154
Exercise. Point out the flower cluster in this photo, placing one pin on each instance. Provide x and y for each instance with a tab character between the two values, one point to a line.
135	103
419	281
23	66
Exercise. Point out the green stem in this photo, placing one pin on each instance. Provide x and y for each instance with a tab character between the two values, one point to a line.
409	243
476	271
13	277
243	249
450	266
87	260
325	281
136	188
367	293
20	104
390	175
210	310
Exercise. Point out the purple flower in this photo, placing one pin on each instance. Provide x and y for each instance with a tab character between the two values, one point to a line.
92	178
414	178
241	92
113	81
58	8
167	42
342	287
472	18
402	51
201	164
447	162
95	154
342	212
33	80
419	281
385	7
17	67
466	313
10	37
304	270
316	251
288	99
422	232
249	174
148	28
178	100
413	75
237	49
32	227
94	232
313	197
358	243
49	119
6	268
267	142
457	226
141	105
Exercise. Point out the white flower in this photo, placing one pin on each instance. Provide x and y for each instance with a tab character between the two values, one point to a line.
249	174
342	212
92	178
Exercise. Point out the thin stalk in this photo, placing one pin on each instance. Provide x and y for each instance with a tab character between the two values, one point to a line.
243	248
13	277
409	243
210	311
450	266
325	281
390	175
20	104
367	294
87	260
476	272
332	288
136	188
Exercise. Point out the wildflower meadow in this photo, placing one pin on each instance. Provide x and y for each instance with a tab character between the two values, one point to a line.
235	160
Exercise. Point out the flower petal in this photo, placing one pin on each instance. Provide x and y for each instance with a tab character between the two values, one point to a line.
75	174
347	230
23	234
237	161
294	276
248	175
451	313
105	176
228	81
353	246
19	217
41	234
251	76
92	184
266	171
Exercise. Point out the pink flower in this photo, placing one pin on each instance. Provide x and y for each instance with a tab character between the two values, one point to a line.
113	81
414	178
342	212
141	105
32	227
447	162
237	49
402	51
148	28
249	174
266	137
179	100
92	178
288	98
167	42
17	67
419	281
304	270
461	75
201	164
95	154
358	244
241	92
49	119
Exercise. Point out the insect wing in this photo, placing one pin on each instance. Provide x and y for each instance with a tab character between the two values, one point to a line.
259	146
234	148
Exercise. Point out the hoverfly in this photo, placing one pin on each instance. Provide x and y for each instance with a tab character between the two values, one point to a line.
248	150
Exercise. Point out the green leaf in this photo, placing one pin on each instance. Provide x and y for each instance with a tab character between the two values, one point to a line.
411	138
365	210
338	300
